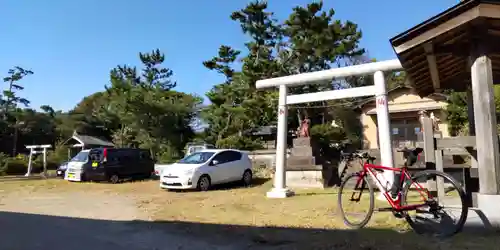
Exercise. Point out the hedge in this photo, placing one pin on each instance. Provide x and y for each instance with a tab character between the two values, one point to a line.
14	166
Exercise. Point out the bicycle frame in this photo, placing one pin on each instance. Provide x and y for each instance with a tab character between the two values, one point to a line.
370	169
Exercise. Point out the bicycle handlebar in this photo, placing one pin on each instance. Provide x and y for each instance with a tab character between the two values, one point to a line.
410	152
362	155
365	155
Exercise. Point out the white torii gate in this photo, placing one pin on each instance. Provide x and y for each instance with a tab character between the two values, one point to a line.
33	150
378	90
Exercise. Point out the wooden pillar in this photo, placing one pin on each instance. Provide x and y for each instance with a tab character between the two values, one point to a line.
468	181
440	181
485	122
470	116
429	146
429	152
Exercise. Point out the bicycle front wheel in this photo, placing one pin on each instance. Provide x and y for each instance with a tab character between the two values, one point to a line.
439	215
356	210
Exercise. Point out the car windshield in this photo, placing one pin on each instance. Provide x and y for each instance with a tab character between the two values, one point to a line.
197	158
81	157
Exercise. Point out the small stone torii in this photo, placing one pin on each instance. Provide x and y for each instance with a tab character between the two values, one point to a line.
33	151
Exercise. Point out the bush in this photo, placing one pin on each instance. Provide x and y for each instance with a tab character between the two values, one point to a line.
263	171
58	155
19	165
167	155
3	164
240	142
166	158
325	134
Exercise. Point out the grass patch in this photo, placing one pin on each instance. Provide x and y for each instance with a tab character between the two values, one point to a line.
312	208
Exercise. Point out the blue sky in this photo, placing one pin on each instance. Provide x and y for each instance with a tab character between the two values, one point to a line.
72	44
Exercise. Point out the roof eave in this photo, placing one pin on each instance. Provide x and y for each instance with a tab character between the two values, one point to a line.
436	20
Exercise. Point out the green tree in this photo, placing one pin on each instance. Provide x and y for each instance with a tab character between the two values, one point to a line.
120	93
396	79
222	63
318	41
10	99
457	111
262	60
9	102
309	40
88	117
149	113
236	106
225	115
153	75
48	110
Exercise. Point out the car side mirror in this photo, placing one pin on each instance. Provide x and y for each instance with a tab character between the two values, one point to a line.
215	162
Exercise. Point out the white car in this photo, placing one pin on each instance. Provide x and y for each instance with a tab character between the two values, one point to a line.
202	169
159	168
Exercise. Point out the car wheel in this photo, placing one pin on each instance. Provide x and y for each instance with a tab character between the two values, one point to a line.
204	183
247	178
83	177
114	179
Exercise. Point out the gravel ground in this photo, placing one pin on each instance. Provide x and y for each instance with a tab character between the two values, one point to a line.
85	221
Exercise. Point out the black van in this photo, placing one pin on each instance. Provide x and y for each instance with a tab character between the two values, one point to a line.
115	164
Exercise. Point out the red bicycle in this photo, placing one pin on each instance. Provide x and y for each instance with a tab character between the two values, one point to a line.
427	213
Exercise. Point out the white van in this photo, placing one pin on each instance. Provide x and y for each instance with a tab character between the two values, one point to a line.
75	166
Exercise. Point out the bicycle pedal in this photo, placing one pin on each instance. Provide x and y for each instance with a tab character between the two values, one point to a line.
398	215
422	211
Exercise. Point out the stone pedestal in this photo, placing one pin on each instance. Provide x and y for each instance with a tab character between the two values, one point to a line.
301	168
485	216
279	193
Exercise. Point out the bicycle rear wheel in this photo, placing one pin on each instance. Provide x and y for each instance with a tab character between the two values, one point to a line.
432	217
349	200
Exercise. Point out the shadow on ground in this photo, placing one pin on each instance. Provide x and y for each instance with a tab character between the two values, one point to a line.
11	178
318	194
257	181
30	231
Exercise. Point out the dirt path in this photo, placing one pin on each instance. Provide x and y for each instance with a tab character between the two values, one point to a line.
77	205
79	220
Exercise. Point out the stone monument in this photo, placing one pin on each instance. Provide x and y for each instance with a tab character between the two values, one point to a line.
301	169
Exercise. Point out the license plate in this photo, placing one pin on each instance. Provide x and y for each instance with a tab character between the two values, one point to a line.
94	164
71	176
